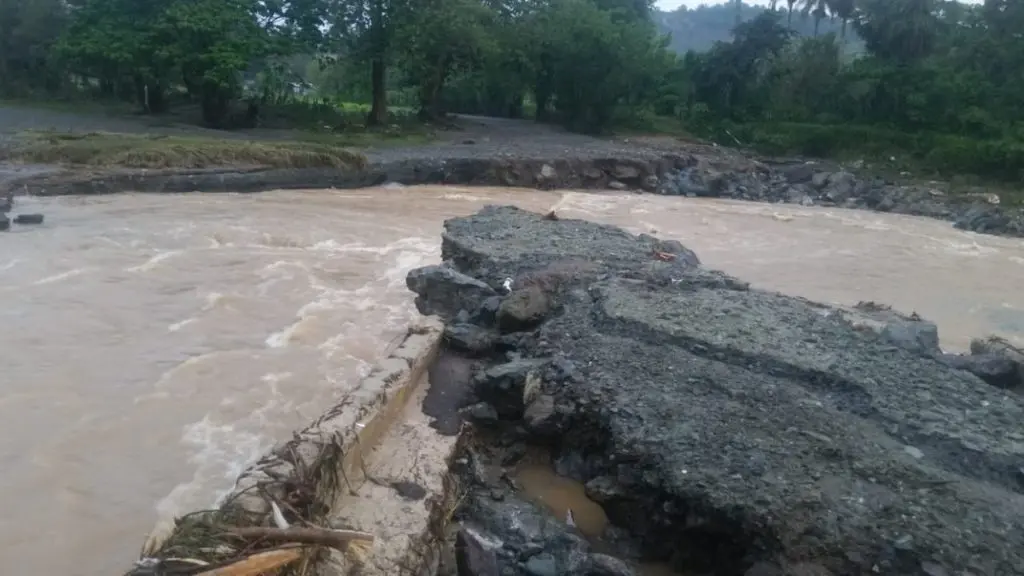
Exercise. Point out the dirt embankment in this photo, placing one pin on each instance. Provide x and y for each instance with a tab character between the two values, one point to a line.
722	429
503	152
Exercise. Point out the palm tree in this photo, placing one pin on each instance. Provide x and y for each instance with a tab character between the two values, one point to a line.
843	9
819	8
789	14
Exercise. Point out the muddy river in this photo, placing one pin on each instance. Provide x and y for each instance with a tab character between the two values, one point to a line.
152	345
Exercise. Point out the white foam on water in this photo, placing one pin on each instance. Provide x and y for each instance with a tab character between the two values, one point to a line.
179	325
62	276
220	453
283	337
9	264
154	261
212	300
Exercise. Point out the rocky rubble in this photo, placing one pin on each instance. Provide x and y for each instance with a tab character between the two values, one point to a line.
818	184
726	430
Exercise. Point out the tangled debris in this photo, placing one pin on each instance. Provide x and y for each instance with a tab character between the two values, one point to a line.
285	535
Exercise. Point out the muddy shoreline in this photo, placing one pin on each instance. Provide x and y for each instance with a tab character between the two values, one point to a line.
688	171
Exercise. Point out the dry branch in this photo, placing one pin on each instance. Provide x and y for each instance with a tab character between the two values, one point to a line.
337	539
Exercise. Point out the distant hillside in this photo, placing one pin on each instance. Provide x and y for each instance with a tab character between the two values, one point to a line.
699	28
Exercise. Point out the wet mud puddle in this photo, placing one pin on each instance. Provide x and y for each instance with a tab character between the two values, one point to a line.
537	479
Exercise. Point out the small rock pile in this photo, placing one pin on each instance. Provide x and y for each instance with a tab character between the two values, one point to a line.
816	184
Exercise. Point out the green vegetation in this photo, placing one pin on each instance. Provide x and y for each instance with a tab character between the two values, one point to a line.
934	83
937	88
137	151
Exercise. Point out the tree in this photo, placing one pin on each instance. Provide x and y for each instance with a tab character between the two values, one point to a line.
366	29
900	31
205	44
439	38
28	31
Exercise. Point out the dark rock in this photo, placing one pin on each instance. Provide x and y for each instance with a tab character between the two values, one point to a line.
682	254
481	412
541	565
910	332
5	223
918	336
510	387
444	292
528	531
820	179
523	309
473	557
513	455
764	569
604	489
807	569
604	565
469	338
28	219
799	173
539	417
994	369
6	203
486	314
744	425
840	186
563	369
409	490
625	172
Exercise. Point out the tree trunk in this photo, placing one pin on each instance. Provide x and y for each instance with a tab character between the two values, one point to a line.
543	90
378	67
215	105
379	109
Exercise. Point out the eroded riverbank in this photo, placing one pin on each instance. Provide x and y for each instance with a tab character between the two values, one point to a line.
723	429
188	333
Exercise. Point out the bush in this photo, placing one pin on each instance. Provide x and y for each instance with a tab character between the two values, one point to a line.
1001	159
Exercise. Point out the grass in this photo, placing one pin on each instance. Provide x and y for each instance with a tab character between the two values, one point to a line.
97	149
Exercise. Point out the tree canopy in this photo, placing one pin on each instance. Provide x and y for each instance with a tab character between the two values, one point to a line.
907	70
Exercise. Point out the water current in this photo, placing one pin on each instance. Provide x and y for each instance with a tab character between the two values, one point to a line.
152	345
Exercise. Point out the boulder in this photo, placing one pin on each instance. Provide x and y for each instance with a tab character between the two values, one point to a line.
5	223
995	369
523	309
449	291
734	427
469	338
28	219
510	387
908	331
473	556
533	542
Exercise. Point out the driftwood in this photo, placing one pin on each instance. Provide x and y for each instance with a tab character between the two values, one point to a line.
337	539
260	563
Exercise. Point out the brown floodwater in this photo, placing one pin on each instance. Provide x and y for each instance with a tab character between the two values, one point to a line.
153	345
